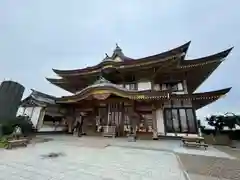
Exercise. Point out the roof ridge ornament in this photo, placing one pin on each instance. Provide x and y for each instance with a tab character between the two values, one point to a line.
106	55
117	48
117	52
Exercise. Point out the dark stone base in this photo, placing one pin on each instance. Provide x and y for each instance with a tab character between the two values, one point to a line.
169	137
53	132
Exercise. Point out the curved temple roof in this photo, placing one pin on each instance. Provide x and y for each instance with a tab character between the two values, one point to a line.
200	100
195	70
198	70
125	60
39	99
102	86
205	66
217	56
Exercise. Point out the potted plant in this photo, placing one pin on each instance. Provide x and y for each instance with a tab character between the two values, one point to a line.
3	141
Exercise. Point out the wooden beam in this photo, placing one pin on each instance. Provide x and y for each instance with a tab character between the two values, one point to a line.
168	77
164	67
154	122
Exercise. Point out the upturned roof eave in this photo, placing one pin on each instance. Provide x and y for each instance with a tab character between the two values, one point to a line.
181	49
39	98
178	50
219	92
61	84
207	65
200	100
66	82
183	63
206	70
41	94
217	57
121	92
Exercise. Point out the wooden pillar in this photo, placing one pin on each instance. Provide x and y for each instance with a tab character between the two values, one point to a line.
154	122
122	119
133	120
185	84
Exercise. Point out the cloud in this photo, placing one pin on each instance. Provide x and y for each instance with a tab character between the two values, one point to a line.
36	36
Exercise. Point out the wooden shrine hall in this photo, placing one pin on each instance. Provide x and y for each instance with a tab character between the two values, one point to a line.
151	96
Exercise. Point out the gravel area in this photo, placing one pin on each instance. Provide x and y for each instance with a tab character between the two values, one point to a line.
235	152
202	177
211	166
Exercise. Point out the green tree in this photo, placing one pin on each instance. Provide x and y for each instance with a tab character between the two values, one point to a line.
229	120
24	122
217	122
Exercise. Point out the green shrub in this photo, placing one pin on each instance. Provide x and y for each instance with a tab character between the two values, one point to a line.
22	121
3	141
229	120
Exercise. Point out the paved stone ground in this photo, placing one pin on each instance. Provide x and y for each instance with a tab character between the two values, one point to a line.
110	159
163	145
85	162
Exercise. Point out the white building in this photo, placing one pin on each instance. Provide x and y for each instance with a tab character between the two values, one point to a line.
44	113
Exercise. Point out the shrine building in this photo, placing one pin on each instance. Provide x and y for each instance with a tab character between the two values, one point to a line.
153	95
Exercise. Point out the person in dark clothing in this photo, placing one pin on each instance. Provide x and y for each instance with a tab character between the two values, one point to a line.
80	127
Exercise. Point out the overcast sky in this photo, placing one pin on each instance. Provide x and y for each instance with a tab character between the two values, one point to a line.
38	35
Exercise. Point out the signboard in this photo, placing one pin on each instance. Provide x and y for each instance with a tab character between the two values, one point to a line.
101	96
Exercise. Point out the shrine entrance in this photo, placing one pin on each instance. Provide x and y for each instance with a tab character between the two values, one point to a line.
117	118
114	117
110	118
